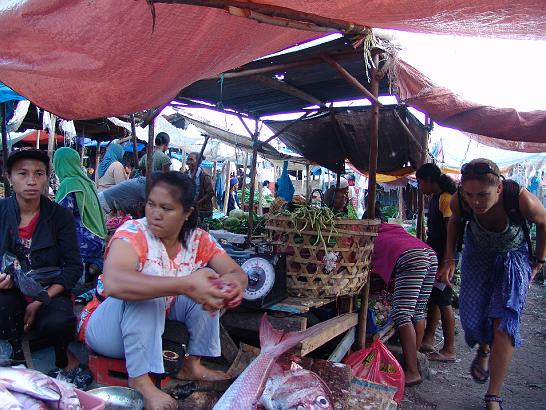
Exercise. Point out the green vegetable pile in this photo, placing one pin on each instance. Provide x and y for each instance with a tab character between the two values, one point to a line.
237	222
266	199
306	217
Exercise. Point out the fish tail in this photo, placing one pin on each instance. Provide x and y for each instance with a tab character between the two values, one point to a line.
269	336
278	342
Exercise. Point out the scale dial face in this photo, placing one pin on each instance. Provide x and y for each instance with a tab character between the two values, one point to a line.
261	277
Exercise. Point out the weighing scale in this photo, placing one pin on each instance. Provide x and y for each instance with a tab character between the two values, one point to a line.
266	275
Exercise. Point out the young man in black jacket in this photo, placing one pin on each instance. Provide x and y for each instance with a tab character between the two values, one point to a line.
40	234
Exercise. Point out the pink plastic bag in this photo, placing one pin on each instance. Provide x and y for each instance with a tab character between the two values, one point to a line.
377	364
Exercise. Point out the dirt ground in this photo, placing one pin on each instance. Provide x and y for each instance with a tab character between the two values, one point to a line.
451	386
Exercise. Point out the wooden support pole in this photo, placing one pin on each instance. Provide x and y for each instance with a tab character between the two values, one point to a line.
275	68
351	80
5	150
408	131
149	154
51	139
214	167
277	12
135	142
285	128
308	183
200	159
243	184
287	89
420	228
183	167
374	142
259	187
97	161
227	168
252	184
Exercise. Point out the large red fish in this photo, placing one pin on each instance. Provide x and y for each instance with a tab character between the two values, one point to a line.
245	392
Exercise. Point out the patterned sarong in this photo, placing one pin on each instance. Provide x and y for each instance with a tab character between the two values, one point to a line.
493	286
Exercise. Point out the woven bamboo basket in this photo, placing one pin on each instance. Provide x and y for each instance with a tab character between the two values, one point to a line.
351	242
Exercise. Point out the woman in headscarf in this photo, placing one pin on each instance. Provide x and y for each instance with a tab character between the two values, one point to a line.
111	170
77	194
233	198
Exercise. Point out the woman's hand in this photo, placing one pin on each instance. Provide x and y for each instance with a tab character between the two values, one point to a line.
6	282
202	289
30	314
446	272
234	287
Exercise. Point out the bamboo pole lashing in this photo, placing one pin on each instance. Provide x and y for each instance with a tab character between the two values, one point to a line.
374	142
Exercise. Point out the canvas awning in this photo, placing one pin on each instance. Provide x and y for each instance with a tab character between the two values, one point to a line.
238	141
334	136
82	59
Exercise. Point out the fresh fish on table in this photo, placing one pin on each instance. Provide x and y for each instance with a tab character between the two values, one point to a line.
69	398
296	389
29	403
246	391
8	400
30	382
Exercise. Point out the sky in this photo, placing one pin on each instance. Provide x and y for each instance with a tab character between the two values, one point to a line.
496	72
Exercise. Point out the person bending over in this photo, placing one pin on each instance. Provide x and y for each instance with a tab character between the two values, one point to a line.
496	266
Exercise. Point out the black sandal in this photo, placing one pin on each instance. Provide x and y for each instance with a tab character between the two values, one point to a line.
491	398
478	373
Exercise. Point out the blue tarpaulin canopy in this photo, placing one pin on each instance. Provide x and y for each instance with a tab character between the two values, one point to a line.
7	94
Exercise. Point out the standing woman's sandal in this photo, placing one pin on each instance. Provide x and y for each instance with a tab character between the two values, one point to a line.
478	373
491	398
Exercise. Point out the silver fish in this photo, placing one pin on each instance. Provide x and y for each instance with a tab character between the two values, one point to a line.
296	389
8	400
69	398
29	403
30	382
245	392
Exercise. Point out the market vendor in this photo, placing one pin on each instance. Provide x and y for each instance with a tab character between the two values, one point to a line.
330	193
128	196
233	198
340	203
203	182
412	265
40	233
157	267
111	170
161	162
77	194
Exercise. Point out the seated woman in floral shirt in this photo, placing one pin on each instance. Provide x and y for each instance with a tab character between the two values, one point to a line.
162	266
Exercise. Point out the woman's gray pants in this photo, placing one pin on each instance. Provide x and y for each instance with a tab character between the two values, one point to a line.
132	330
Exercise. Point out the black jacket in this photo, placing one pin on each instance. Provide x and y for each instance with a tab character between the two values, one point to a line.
54	242
233	198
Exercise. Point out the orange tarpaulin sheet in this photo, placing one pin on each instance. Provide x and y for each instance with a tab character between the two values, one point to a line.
85	59
43	137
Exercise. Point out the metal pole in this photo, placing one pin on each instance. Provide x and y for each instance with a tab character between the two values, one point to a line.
374	137
5	152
